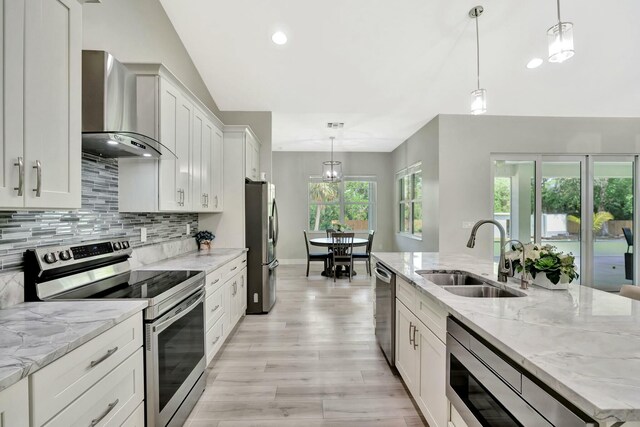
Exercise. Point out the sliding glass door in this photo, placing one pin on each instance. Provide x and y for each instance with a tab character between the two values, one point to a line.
586	205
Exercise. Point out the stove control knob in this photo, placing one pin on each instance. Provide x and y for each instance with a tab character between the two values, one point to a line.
50	258
64	255
125	245
117	246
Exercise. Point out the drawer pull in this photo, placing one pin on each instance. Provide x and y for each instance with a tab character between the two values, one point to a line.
234	268
215	308
109	353
95	421
215	341
216	281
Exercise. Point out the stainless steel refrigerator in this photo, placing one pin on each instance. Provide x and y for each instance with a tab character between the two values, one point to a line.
261	225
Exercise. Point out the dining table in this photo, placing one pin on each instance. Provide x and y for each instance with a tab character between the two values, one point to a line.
327	242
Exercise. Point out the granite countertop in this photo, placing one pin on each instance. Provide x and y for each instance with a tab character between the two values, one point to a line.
34	334
583	343
206	261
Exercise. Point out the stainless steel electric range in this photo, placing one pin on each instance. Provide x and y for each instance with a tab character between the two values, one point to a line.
174	319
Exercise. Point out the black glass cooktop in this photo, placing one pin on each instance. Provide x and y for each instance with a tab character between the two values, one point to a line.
135	284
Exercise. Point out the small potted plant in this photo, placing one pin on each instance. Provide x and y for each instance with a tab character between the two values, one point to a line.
547	267
204	239
339	227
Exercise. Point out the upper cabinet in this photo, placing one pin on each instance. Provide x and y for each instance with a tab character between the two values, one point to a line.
40	104
192	180
252	157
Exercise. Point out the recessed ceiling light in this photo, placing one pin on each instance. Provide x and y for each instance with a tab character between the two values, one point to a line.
535	63
279	38
146	155
112	142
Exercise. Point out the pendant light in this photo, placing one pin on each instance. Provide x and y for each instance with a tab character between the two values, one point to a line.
332	170
478	96
560	38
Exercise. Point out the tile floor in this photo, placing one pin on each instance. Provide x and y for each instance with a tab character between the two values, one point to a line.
312	362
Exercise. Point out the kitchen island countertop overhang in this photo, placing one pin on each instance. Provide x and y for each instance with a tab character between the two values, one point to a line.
582	343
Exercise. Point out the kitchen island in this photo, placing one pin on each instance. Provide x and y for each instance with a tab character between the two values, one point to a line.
583	344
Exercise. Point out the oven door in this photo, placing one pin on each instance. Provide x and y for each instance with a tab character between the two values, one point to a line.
481	397
175	358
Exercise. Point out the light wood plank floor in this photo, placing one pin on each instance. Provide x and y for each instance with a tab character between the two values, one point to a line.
312	362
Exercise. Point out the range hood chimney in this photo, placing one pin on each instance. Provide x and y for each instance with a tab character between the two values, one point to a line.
109	110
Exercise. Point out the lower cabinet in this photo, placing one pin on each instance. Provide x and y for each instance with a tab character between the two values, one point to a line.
421	361
226	303
14	405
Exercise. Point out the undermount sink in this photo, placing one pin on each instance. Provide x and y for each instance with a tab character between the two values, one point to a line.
483	291
453	278
466	285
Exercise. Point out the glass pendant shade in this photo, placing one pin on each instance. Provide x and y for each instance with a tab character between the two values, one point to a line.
560	38
478	101
332	171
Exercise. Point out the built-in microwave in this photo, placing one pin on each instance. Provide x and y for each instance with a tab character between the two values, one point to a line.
489	390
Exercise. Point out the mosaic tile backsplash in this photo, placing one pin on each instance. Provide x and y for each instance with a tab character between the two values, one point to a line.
97	219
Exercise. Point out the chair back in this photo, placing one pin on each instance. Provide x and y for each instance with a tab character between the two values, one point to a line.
342	247
306	241
628	235
330	231
370	242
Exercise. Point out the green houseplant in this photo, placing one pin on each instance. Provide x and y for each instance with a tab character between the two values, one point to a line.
545	263
204	239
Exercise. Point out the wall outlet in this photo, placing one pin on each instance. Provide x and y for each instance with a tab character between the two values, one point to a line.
468	224
188	229
143	234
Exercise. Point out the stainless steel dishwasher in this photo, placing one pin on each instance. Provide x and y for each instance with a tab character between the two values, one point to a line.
386	312
489	390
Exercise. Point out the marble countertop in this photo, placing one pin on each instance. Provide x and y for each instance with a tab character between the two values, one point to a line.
583	343
206	261
34	334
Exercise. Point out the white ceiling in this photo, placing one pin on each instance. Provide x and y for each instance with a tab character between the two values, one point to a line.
386	68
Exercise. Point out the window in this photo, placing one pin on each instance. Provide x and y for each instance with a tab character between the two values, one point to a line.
410	200
350	202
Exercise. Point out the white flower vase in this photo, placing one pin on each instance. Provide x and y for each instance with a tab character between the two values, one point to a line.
542	281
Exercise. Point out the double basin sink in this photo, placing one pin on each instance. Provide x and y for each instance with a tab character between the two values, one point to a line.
467	285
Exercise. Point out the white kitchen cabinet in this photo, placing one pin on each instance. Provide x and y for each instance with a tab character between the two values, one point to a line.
40	107
170	113
252	157
14	405
431	397
217	171
407	356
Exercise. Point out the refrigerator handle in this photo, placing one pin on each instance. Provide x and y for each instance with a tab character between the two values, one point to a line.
276	223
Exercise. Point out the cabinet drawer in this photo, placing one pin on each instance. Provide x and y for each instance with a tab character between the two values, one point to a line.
214	280
406	293
63	381
110	401
214	307
233	267
14	405
432	315
137	418
215	338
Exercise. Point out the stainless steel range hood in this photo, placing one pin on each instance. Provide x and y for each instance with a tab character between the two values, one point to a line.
109	110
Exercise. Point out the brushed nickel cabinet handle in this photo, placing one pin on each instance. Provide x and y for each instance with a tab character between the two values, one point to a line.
410	333
215	308
109	353
215	341
216	201
38	168
96	421
20	165
415	343
234	268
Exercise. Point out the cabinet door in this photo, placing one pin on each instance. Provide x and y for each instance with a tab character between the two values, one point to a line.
217	171
406	353
433	365
14	405
248	157
197	161
233	301
176	114
206	166
242	293
11	102
52	103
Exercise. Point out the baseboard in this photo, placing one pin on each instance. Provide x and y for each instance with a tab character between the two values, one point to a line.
293	261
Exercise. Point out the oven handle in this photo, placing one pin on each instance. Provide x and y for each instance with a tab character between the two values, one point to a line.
180	314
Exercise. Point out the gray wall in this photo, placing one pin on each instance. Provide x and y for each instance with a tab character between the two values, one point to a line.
260	122
420	147
139	31
291	172
467	142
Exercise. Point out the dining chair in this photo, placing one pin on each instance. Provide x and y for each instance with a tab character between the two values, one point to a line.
324	257
366	257
342	252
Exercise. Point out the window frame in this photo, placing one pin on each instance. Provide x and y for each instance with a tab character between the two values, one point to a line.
414	199
341	203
